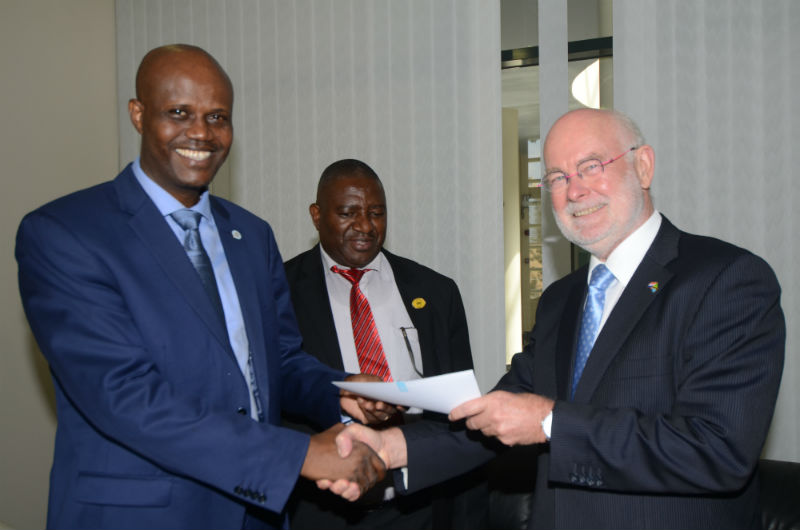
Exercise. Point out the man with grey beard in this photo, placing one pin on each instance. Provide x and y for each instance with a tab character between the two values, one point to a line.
652	372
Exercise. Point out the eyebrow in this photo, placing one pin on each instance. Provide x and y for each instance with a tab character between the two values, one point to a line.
590	156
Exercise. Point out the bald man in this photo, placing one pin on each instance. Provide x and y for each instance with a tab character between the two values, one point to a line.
166	320
652	372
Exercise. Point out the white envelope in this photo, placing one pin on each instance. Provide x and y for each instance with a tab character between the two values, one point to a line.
440	393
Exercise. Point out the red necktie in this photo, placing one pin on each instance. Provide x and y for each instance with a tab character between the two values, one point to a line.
369	349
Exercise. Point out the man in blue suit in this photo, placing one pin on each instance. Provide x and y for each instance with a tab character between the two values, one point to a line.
172	342
652	373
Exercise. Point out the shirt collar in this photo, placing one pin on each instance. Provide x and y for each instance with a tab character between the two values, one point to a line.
625	259
165	202
377	264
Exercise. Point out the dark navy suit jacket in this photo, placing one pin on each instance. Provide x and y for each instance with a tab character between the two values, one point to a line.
674	405
153	422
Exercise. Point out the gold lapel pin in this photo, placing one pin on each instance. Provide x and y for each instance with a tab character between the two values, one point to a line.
418	303
236	234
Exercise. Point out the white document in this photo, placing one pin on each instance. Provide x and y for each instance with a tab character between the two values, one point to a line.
440	393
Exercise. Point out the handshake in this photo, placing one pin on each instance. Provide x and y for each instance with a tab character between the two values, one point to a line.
354	467
356	457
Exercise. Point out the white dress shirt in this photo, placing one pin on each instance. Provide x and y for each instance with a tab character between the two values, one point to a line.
388	311
622	262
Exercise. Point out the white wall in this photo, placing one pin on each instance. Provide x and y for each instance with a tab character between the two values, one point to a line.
713	85
60	134
411	88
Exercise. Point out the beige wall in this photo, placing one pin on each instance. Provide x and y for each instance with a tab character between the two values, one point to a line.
58	94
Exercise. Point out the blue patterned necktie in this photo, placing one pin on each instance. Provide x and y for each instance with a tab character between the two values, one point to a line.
189	220
592	313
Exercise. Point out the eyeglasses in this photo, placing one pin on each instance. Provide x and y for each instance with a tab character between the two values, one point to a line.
588	170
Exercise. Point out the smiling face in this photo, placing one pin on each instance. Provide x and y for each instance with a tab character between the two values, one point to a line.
350	216
600	214
183	112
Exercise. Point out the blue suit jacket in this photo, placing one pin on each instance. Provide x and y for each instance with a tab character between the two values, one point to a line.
673	407
153	426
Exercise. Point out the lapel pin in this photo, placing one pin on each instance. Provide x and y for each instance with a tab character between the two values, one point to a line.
653	286
418	303
236	234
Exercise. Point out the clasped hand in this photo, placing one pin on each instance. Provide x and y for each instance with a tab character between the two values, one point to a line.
367	411
360	468
514	419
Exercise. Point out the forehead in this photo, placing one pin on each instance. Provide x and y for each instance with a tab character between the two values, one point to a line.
579	137
353	190
189	77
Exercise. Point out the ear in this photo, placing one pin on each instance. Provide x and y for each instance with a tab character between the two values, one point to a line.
644	164
135	110
315	214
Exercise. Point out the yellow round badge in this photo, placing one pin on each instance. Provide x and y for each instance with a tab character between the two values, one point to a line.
418	303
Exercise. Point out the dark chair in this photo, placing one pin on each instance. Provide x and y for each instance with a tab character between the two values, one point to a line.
780	494
512	476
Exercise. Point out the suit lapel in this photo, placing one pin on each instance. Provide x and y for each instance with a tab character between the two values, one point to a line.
311	300
154	232
410	289
630	307
567	335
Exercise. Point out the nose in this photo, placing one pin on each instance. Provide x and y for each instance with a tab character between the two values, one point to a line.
363	223
198	129
576	188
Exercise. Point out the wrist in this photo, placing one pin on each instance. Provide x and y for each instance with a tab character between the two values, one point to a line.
393	450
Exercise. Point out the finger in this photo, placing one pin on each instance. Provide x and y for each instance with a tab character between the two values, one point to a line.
344	443
338	487
350	406
366	474
324	484
352	493
366	404
466	409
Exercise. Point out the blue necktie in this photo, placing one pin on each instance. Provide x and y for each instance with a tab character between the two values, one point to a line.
189	220
592	313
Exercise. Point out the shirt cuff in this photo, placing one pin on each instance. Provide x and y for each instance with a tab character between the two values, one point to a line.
547	425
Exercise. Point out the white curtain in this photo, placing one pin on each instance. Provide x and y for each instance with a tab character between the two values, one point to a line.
713	85
410	87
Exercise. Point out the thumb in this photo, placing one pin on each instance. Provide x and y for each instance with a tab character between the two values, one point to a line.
344	444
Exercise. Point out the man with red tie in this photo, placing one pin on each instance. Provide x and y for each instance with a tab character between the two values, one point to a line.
363	309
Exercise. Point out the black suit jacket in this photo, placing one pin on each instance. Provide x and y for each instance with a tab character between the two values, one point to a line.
674	404
441	324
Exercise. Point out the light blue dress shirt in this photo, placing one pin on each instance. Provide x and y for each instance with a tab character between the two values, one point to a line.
209	235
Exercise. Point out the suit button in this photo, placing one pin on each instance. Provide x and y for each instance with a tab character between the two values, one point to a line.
573	478
237	490
262	498
242	411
